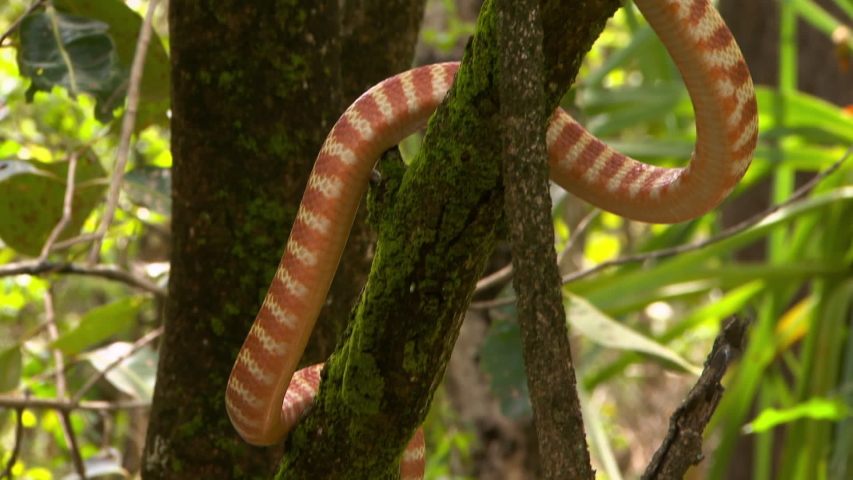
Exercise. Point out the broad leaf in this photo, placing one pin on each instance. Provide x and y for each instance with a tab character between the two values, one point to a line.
134	375
150	187
98	325
32	196
74	53
599	328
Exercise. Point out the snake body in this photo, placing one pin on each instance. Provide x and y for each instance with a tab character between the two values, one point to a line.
265	398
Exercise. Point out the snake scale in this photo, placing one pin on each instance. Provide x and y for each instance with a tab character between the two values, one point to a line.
265	398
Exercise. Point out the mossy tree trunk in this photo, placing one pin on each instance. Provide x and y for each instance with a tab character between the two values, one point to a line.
256	86
437	226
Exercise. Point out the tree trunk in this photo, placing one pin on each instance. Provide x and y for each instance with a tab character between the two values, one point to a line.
436	231
256	87
255	90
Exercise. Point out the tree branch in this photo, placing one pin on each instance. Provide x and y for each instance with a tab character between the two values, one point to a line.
110	272
435	234
544	335
682	447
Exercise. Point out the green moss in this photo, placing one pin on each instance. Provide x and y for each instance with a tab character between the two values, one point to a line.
363	397
203	77
191	428
226	80
217	326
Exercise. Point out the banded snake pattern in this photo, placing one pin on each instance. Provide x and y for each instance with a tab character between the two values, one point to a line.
266	396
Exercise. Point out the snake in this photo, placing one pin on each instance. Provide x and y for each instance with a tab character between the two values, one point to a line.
266	396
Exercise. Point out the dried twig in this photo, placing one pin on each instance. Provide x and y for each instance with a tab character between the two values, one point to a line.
15	402
505	274
61	384
110	272
19	433
682	447
127	127
17	22
145	340
66	209
578	232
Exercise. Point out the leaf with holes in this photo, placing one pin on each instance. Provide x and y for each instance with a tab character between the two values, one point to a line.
98	325
75	53
150	187
134	375
125	25
32	195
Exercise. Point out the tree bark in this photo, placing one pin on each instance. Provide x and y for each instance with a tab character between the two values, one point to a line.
436	231
256	86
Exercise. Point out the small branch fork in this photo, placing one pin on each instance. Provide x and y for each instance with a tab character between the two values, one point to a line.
63	406
682	447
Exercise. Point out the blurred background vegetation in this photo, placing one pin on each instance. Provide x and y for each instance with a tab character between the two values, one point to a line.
78	340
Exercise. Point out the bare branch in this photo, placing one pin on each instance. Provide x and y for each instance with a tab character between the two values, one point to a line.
19	433
682	447
541	317
17	22
66	209
110	272
145	340
53	334
16	402
127	127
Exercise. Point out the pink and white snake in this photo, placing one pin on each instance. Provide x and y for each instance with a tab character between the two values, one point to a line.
265	399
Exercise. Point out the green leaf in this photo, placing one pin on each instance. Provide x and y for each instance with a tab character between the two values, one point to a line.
599	328
150	187
10	368
99	324
125	24
815	408
32	196
814	119
135	374
501	361
74	53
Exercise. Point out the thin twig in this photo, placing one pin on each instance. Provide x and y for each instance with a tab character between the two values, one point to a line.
66	209
18	21
145	340
578	232
19	433
73	446
668	252
110	272
505	274
61	384
495	278
86	237
127	127
15	402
